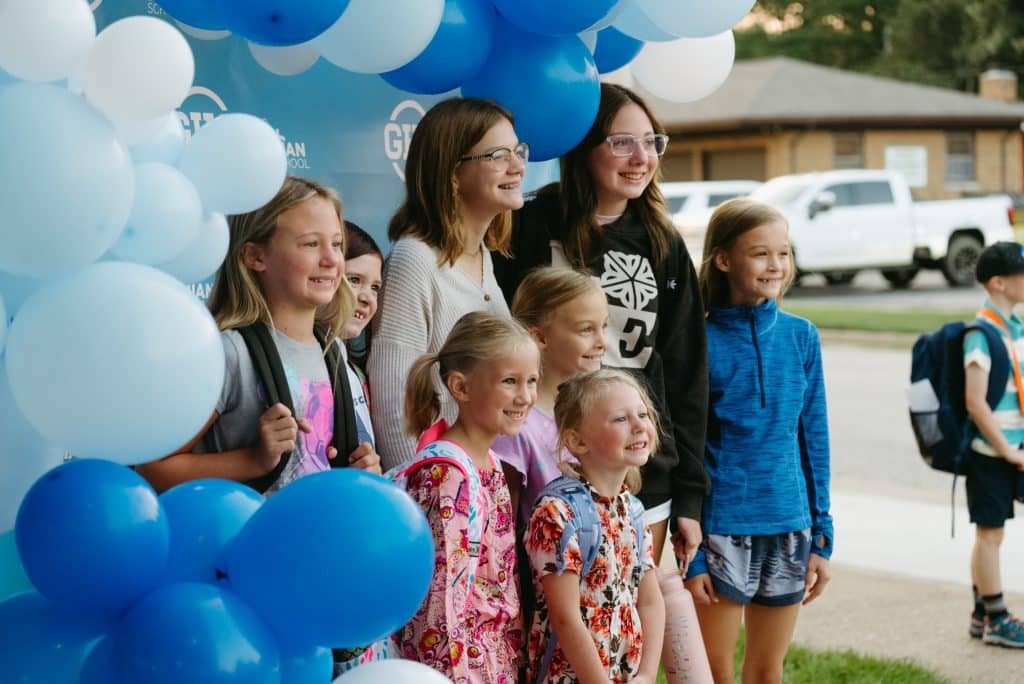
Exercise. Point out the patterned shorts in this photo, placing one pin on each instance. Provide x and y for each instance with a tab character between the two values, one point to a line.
769	570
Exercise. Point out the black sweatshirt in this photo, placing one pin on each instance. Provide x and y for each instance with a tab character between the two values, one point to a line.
656	332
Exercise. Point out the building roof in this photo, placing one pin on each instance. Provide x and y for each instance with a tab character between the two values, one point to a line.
784	92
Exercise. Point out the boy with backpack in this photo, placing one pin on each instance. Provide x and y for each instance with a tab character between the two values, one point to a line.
994	458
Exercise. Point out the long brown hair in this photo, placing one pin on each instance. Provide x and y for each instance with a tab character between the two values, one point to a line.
236	299
576	398
732	219
431	211
579	199
476	337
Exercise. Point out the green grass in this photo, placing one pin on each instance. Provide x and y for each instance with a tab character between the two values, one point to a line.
873	320
804	666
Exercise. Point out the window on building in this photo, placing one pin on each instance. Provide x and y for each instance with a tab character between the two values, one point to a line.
847	150
960	157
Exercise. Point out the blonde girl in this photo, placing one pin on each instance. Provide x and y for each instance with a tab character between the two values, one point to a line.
462	179
767	528
469	626
607	216
567	314
607	625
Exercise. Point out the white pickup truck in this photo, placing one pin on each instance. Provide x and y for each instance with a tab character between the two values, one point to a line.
842	222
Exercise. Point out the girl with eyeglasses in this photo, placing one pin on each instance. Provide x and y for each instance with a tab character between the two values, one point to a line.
462	179
608	217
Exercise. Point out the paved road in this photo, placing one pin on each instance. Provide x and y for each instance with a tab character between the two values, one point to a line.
929	291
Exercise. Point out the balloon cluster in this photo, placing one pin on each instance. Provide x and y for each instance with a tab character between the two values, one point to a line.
538	58
207	582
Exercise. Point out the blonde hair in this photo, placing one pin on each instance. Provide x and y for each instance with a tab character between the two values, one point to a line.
431	211
477	337
545	289
576	398
237	299
732	219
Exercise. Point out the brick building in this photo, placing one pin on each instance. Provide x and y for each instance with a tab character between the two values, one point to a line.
778	115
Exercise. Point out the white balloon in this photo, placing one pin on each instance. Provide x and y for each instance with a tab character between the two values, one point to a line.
288	60
237	163
139	68
204	255
43	40
393	670
374	36
695	18
687	69
202	34
141	377
165	219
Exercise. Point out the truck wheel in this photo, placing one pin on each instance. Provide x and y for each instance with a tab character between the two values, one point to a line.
958	266
840	277
900	278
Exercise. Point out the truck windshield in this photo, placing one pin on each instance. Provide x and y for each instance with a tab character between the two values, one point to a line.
780	192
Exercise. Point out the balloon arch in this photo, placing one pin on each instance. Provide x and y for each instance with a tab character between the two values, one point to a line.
122	155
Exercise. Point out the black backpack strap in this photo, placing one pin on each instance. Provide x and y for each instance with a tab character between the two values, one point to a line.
346	433
270	371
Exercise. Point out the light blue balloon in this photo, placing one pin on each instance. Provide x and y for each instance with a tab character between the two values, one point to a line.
695	18
16	289
67	181
41	641
164	147
165	219
635	23
204	255
25	456
13	579
237	163
143	375
3	323
539	174
204	515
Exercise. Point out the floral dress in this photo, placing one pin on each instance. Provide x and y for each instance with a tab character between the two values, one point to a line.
475	640
608	593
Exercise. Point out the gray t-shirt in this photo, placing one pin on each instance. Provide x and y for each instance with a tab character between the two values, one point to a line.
243	401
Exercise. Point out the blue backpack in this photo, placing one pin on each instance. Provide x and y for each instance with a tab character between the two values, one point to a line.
585	524
943	435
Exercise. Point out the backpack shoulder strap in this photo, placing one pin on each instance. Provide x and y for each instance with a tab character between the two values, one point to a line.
346	433
999	371
636	519
270	371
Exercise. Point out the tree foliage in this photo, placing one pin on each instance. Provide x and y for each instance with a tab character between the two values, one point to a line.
939	42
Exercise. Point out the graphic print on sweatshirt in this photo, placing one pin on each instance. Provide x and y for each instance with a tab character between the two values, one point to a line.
313	400
630	287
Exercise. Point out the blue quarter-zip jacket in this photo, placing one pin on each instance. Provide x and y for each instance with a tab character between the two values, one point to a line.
767	450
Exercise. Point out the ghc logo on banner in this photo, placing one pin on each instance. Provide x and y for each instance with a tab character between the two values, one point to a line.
398	133
203	105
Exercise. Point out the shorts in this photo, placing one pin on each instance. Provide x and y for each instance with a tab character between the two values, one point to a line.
657	514
991	487
767	569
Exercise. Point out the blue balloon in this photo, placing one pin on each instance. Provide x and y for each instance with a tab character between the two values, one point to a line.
192	632
41	642
281	22
307	665
615	50
92	536
201	14
12	576
554	18
67	181
457	51
550	84
204	515
99	666
339	559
